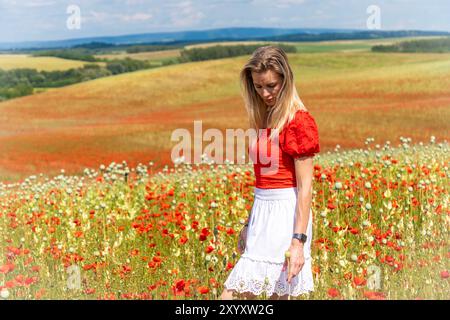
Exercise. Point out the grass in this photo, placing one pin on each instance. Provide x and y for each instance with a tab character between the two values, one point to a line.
350	94
381	208
15	61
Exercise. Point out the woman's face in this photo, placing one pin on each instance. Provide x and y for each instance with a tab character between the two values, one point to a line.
267	84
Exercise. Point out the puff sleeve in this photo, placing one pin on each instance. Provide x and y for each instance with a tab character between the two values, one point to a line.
301	137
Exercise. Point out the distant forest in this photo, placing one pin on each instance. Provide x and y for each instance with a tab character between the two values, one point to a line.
353	35
425	45
86	52
20	82
219	52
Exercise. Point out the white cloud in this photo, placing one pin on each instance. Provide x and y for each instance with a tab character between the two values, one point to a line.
133	2
272	19
278	3
96	16
136	17
183	14
39	3
28	3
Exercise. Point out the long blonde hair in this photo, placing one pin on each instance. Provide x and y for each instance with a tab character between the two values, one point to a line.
287	102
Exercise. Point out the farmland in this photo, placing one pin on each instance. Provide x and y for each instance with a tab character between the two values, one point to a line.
99	211
130	117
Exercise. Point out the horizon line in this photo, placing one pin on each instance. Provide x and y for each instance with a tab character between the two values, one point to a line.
210	29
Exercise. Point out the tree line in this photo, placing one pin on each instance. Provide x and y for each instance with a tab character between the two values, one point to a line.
426	45
20	82
219	52
87	52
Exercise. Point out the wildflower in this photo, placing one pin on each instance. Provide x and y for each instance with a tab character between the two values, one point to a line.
183	239
372	295
89	291
203	290
359	281
4	293
333	292
204	234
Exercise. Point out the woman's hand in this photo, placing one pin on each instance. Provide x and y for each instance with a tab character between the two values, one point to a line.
296	259
242	239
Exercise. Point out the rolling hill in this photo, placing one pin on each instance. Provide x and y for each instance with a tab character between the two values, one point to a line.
352	95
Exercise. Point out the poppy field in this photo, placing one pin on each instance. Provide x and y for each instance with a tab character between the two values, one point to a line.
380	217
351	94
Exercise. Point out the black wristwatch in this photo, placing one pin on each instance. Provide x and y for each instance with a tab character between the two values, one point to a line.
300	237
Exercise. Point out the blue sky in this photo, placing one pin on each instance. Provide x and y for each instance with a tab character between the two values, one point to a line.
24	20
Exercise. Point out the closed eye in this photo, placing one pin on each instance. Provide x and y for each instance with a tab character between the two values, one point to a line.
270	86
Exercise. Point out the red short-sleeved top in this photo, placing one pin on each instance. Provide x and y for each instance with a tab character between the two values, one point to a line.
297	139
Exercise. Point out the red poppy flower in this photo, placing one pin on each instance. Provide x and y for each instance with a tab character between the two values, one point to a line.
348	276
126	269
331	206
183	239
372	295
333	292
89	291
203	290
204	234
316	269
40	293
78	234
6	268
359	281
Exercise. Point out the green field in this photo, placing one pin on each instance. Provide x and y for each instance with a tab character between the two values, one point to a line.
351	94
99	213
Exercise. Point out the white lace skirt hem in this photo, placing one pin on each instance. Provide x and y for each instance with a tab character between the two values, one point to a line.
256	277
260	267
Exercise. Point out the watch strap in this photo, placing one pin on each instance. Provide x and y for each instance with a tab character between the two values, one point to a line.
300	237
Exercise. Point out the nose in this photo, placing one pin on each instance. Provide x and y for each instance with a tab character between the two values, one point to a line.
266	93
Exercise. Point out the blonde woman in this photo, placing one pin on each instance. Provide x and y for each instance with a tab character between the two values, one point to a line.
281	216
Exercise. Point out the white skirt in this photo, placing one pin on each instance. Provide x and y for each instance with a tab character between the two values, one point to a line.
269	235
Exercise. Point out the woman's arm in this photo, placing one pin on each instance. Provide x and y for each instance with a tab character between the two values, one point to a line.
304	174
